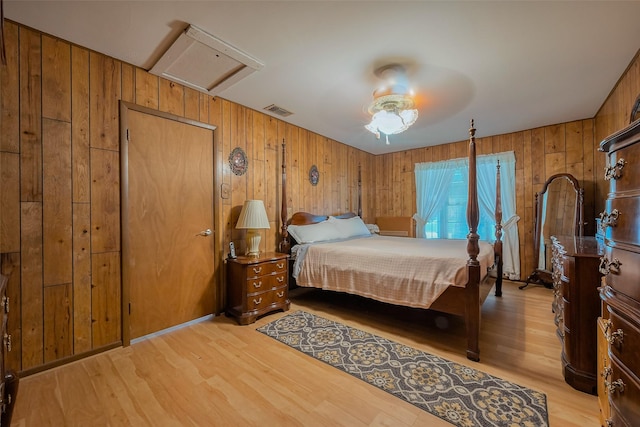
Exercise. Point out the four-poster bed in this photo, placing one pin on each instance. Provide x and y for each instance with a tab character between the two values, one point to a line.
399	270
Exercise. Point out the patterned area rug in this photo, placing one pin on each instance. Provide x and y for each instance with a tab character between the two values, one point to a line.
456	393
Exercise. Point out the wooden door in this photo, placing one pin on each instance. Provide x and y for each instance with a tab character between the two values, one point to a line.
168	262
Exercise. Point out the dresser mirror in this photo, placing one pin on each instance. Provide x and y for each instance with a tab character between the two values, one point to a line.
559	208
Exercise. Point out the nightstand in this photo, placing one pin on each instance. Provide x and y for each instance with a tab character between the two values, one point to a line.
256	286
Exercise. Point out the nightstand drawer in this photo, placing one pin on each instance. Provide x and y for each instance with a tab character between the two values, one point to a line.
263	283
265	299
266	268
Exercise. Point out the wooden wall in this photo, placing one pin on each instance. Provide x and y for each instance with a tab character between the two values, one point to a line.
60	194
613	116
60	206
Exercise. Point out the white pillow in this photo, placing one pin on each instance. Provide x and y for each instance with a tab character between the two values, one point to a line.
350	227
318	232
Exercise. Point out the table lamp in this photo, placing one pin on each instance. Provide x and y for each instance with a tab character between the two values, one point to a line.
253	217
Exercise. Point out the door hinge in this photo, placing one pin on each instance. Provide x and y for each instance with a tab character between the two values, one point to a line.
129	308
127	135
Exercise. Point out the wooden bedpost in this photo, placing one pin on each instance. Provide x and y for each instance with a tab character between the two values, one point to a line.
285	245
359	191
472	306
473	248
497	247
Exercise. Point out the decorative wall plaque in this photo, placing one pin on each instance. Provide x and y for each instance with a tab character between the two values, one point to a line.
238	161
314	175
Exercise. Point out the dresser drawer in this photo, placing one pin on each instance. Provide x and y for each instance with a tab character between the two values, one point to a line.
624	398
266	268
263	283
624	340
620	219
262	300
623	272
627	179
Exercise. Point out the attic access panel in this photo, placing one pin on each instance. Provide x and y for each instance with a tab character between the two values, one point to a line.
204	62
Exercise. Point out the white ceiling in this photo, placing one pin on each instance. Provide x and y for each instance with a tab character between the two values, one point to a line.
510	65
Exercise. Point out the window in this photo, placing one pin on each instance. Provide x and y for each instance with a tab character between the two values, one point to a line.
449	221
441	200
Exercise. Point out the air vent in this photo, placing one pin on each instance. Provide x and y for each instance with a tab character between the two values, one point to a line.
273	108
204	62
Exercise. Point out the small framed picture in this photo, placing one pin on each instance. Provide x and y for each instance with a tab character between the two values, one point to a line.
314	175
238	161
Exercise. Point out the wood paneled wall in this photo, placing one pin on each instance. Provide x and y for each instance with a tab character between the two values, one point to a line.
60	194
60	203
613	116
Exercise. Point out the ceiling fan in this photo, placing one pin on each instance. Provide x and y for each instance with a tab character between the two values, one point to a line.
393	107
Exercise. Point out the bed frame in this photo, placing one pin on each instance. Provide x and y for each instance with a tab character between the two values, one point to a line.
465	302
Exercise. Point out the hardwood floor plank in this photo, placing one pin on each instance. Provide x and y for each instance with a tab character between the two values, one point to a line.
77	398
217	373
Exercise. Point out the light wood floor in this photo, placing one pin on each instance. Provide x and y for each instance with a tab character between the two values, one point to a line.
216	373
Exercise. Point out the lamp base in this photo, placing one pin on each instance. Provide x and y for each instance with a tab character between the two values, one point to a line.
253	243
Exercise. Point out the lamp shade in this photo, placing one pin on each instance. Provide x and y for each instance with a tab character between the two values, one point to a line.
253	215
391	122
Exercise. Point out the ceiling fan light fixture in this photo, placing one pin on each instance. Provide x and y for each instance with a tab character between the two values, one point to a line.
392	109
391	114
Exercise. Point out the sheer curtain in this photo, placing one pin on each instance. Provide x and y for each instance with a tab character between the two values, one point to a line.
432	187
486	172
433	181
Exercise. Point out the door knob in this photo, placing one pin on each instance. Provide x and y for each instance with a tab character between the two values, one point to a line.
205	233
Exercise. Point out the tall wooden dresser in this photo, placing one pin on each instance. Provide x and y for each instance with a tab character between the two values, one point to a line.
576	306
620	266
8	379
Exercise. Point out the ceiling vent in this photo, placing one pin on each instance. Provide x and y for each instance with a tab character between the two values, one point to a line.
204	62
273	108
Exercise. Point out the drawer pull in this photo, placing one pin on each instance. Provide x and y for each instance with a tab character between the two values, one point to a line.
258	301
615	338
609	219
280	266
607	325
614	171
257	270
607	267
7	341
606	372
280	279
257	285
617	385
608	422
5	303
280	294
